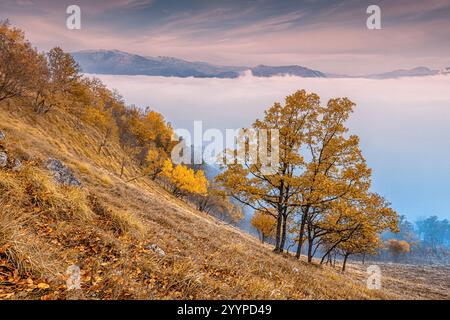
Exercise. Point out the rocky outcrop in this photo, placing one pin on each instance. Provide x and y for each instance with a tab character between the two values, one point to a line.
61	173
3	154
156	249
6	158
3	159
17	165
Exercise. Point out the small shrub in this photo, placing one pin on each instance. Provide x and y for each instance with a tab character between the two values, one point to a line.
84	168
106	180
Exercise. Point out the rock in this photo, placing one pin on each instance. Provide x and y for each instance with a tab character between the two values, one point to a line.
61	173
73	281
296	270
156	249
3	159
17	165
2	136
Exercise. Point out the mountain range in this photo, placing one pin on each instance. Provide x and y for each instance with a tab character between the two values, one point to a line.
123	63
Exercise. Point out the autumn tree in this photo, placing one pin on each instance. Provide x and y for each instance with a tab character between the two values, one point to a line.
104	122
335	168
397	248
126	118
64	71
356	228
214	199
42	92
151	132
374	218
361	242
276	193
217	203
265	225
18	62
183	180
154	162
319	165
147	136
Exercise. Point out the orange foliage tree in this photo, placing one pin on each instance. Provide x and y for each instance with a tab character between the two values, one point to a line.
265	225
20	64
398	248
321	180
183	181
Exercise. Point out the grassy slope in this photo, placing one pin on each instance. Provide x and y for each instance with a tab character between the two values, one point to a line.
411	281
104	227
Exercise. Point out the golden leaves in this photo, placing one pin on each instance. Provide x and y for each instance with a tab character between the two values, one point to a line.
185	180
322	173
43	286
264	223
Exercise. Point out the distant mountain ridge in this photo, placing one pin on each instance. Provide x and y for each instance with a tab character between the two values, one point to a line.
293	70
117	62
123	63
416	72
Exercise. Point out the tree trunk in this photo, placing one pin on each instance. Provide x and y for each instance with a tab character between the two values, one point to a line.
310	251
364	258
329	260
260	236
300	238
278	234
283	234
345	262
335	245
104	141
310	245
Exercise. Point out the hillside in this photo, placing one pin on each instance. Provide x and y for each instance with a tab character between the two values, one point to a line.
107	228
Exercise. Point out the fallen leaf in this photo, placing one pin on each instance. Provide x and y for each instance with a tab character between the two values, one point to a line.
43	286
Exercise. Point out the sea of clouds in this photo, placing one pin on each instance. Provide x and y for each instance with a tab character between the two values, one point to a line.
404	124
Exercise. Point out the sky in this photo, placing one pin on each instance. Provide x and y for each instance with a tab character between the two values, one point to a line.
330	36
403	124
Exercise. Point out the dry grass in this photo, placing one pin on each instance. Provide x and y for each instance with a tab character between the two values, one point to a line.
106	180
410	281
36	189
105	227
121	222
26	252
